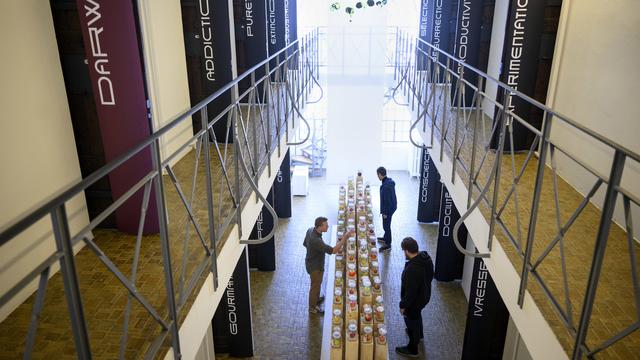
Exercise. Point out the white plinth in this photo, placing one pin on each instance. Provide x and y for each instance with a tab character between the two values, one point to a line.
300	180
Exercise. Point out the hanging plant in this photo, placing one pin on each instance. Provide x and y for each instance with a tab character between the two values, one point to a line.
360	5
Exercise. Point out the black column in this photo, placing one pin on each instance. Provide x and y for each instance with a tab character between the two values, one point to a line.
263	256
207	44
282	188
429	192
520	58
291	29
487	318
467	43
232	325
250	22
449	260
441	20
423	34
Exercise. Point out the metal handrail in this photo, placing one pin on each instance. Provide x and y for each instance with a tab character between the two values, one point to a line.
62	196
542	147
55	205
512	91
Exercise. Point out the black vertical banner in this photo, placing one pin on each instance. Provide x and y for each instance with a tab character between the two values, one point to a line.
429	195
467	44
520	58
449	261
421	59
282	188
263	256
250	20
487	318
440	26
291	29
232	325
276	32
208	48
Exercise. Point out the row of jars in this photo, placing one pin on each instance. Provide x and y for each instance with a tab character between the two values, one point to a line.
372	316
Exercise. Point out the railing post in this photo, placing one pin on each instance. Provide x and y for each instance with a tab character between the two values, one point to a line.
278	110
70	280
266	100
535	203
496	183
604	228
474	141
458	100
446	90
166	253
207	161
285	85
236	152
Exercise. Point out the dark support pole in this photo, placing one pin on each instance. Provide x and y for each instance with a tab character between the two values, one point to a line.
232	324
449	261
429	192
598	255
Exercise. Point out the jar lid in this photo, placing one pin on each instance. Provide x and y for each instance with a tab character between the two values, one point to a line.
380	309
351	266
367	309
353	297
374	250
351	252
337	291
374	264
353	326
366	282
337	312
379	299
337	334
376	280
365	269
352	283
382	330
367	330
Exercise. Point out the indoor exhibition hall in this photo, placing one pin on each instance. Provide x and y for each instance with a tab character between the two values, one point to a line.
319	179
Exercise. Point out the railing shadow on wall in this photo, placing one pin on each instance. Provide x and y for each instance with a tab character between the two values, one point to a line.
221	175
509	163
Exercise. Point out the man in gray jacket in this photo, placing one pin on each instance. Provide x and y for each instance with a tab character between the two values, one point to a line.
314	261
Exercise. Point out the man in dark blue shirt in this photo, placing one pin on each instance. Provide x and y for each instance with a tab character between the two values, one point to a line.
388	205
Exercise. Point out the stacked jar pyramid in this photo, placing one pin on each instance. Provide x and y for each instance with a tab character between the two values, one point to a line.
358	328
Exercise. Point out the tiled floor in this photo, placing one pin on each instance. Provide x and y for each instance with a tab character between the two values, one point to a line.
283	329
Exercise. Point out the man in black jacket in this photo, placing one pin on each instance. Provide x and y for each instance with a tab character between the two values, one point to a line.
388	205
415	293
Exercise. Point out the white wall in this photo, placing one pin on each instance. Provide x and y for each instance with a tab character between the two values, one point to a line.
594	81
37	146
355	92
396	156
166	70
